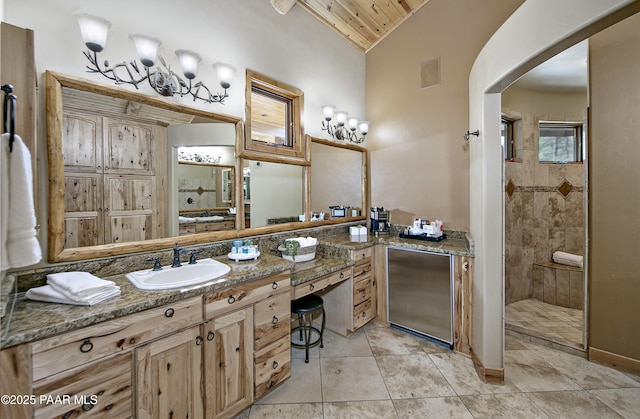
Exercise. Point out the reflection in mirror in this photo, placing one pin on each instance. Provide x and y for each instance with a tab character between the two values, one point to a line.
337	177
276	193
113	163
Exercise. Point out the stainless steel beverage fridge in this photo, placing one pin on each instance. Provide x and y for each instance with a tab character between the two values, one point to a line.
420	292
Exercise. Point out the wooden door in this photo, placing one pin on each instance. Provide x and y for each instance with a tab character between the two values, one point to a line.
129	208
82	142
83	216
229	363
128	147
169	376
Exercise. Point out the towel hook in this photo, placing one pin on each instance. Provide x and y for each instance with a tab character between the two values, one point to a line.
468	134
9	113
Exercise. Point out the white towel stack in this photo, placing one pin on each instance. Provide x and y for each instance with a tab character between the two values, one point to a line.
569	259
78	288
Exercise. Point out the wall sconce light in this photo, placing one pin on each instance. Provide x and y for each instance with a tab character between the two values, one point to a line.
94	31
339	131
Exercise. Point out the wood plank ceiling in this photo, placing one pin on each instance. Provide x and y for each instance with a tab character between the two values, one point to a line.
362	22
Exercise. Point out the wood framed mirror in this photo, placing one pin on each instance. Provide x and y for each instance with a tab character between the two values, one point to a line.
273	125
109	169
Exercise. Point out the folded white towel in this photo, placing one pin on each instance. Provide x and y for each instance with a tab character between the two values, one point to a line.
20	242
49	294
182	219
569	259
79	286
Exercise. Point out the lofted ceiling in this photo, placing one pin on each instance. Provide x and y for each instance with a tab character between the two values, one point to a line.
361	22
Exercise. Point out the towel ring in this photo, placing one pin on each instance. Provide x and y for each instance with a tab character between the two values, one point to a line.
9	113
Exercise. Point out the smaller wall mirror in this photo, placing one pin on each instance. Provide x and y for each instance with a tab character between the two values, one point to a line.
338	177
273	127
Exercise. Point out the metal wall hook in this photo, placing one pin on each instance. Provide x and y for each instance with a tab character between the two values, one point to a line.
468	134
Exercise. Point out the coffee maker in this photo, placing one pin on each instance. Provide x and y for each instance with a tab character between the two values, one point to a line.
379	221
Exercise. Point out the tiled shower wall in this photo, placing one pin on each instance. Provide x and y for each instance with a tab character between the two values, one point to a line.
544	208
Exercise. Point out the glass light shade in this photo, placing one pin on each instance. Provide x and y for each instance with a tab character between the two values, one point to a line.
94	31
225	74
363	126
327	111
352	123
147	48
341	118
189	61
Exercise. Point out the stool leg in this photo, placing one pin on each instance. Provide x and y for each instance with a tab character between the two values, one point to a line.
322	327
307	339
300	323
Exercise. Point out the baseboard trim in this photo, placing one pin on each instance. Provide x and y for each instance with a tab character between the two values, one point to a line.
488	375
616	361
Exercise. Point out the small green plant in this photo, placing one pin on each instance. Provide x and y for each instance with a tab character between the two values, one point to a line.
292	247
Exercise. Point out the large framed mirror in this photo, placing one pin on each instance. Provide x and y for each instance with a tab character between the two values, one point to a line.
113	169
338	178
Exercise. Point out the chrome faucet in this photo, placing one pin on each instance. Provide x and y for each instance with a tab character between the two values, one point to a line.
176	256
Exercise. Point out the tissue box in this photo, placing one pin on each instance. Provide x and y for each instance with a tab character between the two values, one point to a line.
358	231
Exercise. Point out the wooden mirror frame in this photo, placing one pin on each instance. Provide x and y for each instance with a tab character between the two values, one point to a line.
347	146
298	153
56	223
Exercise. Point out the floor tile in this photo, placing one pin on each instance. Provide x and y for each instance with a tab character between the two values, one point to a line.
390	341
625	401
515	405
587	374
459	372
376	409
303	386
340	346
437	407
572	404
351	379
287	411
529	371
413	376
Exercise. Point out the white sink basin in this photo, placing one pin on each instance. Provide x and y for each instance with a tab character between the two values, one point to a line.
184	276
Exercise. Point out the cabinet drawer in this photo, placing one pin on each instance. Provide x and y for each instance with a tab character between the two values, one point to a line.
241	295
59	353
214	226
362	271
109	381
321	283
272	366
362	313
361	291
272	319
360	255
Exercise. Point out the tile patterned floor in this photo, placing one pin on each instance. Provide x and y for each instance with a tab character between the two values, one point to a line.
555	323
381	372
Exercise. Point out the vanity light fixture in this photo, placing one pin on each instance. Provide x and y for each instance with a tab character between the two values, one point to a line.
94	31
339	131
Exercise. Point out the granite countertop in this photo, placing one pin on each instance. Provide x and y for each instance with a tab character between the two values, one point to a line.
34	320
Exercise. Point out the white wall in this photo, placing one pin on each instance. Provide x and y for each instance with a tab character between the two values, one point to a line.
565	24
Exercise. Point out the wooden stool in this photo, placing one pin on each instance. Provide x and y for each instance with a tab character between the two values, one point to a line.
304	308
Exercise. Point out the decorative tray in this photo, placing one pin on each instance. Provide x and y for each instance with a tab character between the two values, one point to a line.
243	256
423	237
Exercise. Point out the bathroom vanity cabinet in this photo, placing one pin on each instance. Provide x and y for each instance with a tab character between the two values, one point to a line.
225	348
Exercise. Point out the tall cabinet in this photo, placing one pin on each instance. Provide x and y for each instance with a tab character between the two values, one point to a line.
115	170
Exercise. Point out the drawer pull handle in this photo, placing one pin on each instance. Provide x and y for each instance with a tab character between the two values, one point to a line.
363	256
210	335
271	384
68	414
86	346
363	290
364	314
341	275
169	313
274	285
231	299
87	406
275	365
274	320
364	271
311	287
199	340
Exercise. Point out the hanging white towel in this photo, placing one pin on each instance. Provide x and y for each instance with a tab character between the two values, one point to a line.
20	245
4	200
49	294
79	286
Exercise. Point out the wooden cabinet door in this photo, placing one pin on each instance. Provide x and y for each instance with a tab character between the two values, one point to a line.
128	147
82	142
229	363
83	214
169	376
129	208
